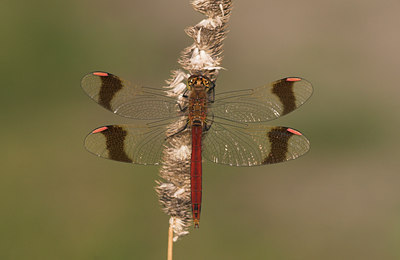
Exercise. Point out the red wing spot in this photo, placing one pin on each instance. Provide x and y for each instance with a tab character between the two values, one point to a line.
293	79
293	131
98	130
101	74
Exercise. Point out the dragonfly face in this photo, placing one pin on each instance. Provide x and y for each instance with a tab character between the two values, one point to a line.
237	137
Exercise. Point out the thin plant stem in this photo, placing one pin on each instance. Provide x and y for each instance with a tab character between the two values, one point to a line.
170	242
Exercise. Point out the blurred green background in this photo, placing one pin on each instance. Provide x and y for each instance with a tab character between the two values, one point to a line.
340	201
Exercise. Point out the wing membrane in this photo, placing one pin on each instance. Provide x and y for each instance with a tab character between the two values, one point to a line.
133	101
253	146
264	103
128	143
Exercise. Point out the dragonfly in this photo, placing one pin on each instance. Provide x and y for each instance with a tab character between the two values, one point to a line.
226	128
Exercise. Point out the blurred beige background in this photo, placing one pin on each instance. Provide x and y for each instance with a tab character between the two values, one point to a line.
340	201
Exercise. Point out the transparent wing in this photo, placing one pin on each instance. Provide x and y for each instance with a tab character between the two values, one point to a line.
138	144
252	146
124	99
264	103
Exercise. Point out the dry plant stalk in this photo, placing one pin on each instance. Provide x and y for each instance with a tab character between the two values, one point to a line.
203	57
170	242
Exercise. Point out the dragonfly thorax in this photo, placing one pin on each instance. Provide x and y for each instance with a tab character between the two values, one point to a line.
198	86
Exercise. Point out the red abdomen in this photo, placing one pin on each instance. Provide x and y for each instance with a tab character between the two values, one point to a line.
195	173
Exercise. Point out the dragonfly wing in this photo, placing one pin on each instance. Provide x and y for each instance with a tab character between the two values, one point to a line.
263	103
128	143
124	99
253	146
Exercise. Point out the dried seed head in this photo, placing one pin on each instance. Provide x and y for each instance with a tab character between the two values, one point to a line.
213	8
203	57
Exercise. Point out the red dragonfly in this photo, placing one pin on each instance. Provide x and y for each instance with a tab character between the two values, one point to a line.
225	128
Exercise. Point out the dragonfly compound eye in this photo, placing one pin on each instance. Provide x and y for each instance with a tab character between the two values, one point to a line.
190	83
206	83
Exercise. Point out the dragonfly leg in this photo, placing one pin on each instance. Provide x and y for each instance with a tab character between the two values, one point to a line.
208	122
183	109
185	95
179	131
211	94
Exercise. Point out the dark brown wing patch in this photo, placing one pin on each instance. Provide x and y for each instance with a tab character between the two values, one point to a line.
115	139
284	90
279	140
111	84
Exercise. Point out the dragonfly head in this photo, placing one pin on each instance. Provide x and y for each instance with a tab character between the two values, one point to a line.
199	82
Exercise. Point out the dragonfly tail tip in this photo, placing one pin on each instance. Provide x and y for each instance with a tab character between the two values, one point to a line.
196	223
